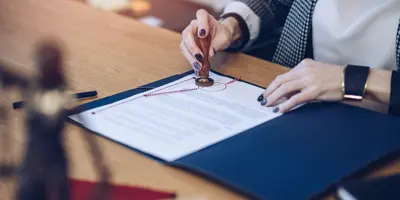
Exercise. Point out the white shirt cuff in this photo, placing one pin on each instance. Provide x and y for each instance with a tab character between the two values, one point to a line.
249	16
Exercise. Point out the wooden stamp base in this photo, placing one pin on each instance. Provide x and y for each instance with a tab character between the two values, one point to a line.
204	82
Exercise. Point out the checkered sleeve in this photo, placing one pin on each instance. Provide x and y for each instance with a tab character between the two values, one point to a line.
270	11
258	17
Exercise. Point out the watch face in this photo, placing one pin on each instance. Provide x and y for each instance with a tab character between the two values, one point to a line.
355	82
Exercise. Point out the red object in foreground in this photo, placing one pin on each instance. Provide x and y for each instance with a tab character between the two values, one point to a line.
80	190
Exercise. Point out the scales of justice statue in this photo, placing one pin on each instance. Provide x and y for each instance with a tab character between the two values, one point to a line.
43	172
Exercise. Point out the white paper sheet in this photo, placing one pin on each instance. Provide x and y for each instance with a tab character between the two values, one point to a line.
170	126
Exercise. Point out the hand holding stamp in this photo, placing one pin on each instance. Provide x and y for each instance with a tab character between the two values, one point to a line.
203	80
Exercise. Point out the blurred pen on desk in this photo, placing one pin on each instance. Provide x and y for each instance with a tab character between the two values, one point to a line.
77	96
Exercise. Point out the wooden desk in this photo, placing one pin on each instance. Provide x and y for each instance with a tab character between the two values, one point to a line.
111	54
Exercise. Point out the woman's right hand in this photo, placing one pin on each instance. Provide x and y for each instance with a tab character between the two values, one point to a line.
222	35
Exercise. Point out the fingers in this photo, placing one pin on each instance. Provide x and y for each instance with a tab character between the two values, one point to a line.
190	42
195	64
288	85
294	101
284	90
278	81
202	22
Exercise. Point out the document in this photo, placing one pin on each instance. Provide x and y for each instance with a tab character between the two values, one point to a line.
180	118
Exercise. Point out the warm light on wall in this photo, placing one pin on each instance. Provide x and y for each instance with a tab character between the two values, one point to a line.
111	5
140	7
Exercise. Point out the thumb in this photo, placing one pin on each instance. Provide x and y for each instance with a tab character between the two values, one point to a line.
219	43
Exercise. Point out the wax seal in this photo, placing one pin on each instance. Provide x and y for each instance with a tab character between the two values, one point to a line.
204	82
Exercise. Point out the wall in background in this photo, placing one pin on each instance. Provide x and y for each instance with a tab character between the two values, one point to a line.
218	5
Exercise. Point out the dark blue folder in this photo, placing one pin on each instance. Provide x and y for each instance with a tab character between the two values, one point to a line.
299	155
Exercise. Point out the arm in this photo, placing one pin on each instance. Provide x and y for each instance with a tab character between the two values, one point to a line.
383	87
312	80
378	86
239	27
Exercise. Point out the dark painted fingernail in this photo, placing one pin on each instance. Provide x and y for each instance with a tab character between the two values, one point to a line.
263	102
196	66
275	110
260	98
199	57
202	33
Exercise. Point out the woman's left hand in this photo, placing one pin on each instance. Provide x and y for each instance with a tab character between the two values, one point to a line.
310	80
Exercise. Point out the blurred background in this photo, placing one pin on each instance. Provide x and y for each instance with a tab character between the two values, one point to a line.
174	15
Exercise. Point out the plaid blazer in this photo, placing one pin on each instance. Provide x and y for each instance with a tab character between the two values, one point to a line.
295	16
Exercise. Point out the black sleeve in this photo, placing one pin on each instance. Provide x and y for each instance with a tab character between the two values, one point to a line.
394	106
270	11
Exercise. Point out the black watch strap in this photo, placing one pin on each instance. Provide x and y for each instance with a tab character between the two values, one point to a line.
355	81
394	106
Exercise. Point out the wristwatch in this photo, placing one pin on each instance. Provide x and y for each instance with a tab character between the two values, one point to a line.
355	82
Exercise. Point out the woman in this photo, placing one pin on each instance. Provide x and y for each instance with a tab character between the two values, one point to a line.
338	49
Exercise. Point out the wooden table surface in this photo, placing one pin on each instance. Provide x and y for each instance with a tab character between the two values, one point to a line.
111	53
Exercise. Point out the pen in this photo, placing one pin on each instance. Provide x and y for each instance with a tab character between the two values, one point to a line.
77	96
